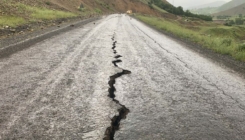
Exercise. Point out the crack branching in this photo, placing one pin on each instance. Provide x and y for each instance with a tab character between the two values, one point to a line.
118	56
123	111
116	61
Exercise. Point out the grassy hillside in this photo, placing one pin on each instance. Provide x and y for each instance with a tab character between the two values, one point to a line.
14	13
155	6
219	38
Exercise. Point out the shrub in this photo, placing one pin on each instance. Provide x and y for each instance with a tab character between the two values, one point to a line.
241	47
97	10
48	3
226	42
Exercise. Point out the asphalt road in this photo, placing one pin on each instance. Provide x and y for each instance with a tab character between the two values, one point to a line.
118	79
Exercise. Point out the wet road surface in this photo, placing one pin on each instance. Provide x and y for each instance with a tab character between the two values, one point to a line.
158	89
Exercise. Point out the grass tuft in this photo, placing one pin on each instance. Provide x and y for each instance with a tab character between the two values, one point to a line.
24	14
11	21
241	47
45	14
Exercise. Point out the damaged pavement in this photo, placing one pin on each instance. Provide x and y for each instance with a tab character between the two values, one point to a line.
118	79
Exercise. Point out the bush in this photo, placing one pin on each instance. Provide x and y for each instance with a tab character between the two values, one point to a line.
226	42
97	10
227	24
239	21
241	47
48	3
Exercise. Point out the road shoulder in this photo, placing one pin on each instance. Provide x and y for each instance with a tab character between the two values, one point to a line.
13	44
220	59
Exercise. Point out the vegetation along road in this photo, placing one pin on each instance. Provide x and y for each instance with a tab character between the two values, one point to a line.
118	79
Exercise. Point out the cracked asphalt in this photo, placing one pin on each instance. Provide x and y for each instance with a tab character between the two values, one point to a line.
58	88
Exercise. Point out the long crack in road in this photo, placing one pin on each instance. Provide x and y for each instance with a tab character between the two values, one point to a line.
123	111
158	88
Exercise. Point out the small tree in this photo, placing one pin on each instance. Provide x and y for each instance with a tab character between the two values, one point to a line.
239	21
179	11
231	22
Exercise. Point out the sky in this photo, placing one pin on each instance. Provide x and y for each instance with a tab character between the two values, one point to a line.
192	3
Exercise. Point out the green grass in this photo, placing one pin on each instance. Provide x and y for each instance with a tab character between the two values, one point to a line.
38	13
159	9
154	6
11	21
221	39
97	10
24	14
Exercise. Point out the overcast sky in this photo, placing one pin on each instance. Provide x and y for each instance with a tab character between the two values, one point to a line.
191	3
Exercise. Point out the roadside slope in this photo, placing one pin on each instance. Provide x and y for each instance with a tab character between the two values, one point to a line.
18	16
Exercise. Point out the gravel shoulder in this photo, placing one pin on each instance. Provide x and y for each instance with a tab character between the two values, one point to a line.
17	43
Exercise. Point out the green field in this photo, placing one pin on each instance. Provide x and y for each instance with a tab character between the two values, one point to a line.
221	39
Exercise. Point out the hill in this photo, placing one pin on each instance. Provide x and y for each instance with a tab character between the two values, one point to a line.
209	5
22	16
230	5
233	11
120	6
205	11
19	12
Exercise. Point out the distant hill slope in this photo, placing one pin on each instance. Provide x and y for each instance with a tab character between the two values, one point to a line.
233	11
230	5
228	8
205	11
213	4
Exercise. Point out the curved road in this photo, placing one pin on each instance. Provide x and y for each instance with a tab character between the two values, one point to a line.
158	89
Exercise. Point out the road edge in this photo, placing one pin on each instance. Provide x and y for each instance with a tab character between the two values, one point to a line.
220	59
10	49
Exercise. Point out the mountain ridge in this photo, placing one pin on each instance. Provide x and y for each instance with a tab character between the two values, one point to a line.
233	11
212	4
230	5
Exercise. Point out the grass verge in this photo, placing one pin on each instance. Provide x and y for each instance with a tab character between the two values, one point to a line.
38	13
221	39
22	14
11	21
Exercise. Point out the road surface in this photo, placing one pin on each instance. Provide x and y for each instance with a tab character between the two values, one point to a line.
118	79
